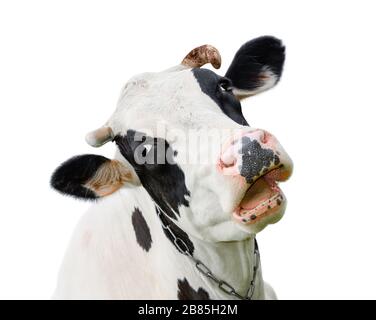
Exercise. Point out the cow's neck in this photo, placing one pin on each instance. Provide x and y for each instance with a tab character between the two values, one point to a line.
229	261
232	262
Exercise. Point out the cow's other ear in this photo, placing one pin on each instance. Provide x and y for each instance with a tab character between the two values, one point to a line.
91	176
257	66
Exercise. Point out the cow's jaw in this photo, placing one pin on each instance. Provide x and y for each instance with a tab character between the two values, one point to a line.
263	203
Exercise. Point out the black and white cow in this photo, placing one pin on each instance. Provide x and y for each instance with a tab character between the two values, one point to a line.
168	200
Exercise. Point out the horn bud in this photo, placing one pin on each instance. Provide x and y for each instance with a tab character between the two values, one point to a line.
202	55
99	137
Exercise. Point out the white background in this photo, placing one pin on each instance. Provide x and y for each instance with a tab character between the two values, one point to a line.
62	64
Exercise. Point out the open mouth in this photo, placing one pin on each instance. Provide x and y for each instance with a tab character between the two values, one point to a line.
263	199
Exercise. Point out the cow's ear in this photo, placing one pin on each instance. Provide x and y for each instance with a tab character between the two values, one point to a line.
257	66
91	176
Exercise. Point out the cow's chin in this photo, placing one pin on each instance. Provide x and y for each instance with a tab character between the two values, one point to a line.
263	203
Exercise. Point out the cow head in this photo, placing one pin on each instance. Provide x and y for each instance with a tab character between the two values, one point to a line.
181	135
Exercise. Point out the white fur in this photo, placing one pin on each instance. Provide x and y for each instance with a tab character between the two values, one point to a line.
267	84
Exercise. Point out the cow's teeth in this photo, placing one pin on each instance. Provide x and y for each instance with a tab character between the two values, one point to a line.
261	205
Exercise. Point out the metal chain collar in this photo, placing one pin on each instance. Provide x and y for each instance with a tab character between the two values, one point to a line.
203	269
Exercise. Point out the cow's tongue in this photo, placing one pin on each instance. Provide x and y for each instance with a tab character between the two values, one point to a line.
260	191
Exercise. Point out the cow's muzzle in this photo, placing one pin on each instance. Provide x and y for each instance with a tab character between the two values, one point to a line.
260	160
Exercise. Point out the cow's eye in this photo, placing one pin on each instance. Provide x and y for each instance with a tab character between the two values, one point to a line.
225	84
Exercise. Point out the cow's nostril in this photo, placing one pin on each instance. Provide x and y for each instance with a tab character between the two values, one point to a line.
265	137
228	164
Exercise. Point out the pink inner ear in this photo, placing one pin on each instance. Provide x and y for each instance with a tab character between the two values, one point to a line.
109	177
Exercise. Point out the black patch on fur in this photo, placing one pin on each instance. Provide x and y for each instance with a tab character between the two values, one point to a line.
177	231
252	58
255	158
186	292
164	180
141	230
213	85
71	175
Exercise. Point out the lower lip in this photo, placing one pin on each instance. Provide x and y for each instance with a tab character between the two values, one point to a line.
264	209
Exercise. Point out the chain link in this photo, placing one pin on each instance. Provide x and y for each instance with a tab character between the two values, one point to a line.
203	269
